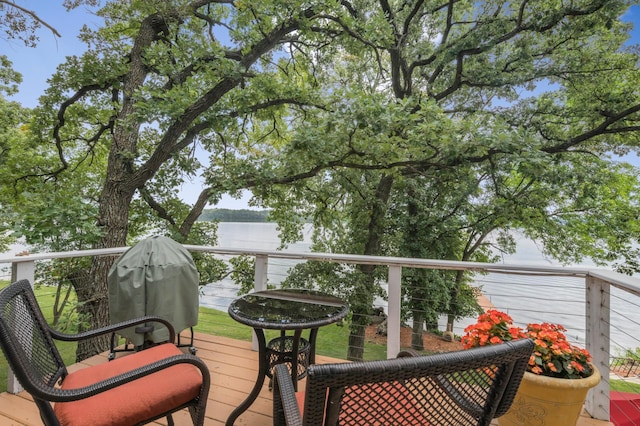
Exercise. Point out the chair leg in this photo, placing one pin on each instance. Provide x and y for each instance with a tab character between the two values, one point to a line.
170	420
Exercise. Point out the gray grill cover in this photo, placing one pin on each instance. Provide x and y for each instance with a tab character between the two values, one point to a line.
157	276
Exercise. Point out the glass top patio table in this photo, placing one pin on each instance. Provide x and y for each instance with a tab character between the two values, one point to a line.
287	309
284	309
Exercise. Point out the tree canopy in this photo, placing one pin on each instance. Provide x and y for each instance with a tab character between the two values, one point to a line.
408	128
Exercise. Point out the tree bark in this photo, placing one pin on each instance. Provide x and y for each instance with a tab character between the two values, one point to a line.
361	311
417	342
359	323
116	196
93	295
453	299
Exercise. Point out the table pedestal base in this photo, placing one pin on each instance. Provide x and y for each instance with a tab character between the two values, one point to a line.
281	351
285	310
292	350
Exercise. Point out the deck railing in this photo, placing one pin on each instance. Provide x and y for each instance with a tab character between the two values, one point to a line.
625	367
597	287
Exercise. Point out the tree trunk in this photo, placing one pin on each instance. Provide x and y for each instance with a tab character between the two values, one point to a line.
119	187
355	351
453	300
360	312
415	291
124	176
91	308
93	293
417	342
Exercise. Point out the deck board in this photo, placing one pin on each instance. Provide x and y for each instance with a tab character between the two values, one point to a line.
234	368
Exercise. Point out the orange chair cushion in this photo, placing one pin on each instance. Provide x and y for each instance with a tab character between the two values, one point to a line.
133	402
377	404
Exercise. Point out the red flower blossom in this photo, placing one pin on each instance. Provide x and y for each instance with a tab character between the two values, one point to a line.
553	355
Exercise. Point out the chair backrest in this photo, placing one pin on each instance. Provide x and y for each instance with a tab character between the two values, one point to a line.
27	343
468	387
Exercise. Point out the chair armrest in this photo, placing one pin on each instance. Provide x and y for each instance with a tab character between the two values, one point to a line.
112	328
286	411
66	395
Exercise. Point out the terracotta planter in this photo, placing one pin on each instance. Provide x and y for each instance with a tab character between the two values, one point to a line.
548	401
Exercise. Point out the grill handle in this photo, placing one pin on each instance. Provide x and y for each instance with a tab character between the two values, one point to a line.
143	329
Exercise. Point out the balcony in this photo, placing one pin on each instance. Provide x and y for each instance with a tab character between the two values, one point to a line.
605	318
233	366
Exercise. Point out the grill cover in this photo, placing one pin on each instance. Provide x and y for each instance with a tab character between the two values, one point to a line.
158	277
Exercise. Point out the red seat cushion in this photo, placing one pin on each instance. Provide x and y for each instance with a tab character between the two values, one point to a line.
625	408
135	401
377	404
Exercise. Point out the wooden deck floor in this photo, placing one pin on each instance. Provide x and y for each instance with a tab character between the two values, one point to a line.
233	367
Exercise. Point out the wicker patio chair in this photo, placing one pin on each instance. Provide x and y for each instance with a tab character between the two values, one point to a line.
133	389
469	387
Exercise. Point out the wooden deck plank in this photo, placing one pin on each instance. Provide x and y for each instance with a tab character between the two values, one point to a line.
234	368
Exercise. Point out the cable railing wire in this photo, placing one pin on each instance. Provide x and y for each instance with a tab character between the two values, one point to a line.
522	296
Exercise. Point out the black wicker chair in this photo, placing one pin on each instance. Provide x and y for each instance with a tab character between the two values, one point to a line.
133	389
468	387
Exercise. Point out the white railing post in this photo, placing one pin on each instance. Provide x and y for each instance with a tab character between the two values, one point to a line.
23	271
598	297
260	274
393	316
19	271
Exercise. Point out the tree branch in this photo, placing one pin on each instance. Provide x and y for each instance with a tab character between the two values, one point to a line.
33	16
151	202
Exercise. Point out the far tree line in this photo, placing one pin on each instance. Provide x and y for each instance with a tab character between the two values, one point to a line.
234	215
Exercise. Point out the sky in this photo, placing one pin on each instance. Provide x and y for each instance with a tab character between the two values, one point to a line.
37	64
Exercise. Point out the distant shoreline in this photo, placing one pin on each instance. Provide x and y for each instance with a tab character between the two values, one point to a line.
232	215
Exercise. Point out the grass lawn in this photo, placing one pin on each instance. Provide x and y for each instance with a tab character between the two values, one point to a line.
332	340
624	386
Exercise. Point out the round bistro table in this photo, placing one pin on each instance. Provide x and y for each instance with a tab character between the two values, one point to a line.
285	310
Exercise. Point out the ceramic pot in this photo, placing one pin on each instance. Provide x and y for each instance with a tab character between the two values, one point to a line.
549	401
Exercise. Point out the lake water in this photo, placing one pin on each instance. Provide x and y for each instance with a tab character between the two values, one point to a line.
526	298
263	236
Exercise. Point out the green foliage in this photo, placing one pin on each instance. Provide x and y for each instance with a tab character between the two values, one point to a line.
469	155
12	132
9	79
411	131
55	213
242	273
633	354
591	214
56	221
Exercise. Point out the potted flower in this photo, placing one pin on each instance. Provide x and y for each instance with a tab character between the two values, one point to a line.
558	376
